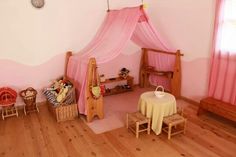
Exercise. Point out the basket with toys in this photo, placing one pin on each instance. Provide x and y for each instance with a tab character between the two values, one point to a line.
61	100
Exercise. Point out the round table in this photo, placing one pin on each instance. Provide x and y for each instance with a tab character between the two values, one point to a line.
156	108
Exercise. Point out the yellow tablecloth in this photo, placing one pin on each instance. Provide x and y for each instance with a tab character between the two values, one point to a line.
156	108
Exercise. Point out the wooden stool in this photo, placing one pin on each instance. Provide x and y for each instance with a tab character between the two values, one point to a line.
137	123
174	120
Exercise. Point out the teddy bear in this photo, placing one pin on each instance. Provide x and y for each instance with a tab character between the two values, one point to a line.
62	93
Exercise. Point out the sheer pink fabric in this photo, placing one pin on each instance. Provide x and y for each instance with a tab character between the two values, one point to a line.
222	84
145	35
117	29
161	62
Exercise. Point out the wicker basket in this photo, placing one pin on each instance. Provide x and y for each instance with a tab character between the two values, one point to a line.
67	110
64	112
29	97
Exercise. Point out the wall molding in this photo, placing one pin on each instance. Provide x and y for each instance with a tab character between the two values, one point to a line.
190	101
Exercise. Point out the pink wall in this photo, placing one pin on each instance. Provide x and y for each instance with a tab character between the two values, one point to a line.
19	76
34	41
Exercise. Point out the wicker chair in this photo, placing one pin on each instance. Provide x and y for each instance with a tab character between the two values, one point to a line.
29	97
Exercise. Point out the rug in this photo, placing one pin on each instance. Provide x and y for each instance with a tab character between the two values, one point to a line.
115	109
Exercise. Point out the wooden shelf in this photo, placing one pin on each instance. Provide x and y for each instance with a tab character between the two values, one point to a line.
115	91
120	89
117	79
168	74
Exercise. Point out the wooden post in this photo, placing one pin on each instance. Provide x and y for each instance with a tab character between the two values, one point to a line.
169	131
137	129
149	126
176	80
68	55
143	63
127	120
185	122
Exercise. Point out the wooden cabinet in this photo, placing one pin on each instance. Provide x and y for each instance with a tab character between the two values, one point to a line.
121	88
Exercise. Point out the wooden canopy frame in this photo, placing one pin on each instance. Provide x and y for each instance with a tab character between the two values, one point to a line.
174	76
95	105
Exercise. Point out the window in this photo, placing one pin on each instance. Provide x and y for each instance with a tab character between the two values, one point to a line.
222	76
228	32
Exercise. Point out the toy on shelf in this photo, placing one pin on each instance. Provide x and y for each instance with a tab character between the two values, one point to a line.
29	97
120	88
102	78
124	73
7	102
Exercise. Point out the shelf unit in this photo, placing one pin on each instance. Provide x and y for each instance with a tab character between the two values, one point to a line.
118	89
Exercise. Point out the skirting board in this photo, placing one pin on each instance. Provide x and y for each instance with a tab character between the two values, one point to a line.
190	101
21	107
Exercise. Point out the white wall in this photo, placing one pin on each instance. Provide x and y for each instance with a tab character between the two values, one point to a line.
33	36
188	25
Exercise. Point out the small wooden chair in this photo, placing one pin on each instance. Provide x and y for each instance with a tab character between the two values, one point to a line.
174	120
137	123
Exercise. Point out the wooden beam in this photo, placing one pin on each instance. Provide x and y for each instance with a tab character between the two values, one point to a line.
176	80
68	55
161	51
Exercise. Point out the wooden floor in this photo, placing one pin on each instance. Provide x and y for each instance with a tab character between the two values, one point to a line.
39	135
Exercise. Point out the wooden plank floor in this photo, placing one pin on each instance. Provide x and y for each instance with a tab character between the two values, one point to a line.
39	135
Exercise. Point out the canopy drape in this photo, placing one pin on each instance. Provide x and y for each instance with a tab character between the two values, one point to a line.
118	28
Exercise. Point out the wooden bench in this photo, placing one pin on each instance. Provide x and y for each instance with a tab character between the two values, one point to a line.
218	107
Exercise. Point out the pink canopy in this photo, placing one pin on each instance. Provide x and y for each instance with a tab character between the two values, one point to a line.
118	28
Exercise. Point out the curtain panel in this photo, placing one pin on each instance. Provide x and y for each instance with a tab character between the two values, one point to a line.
222	82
